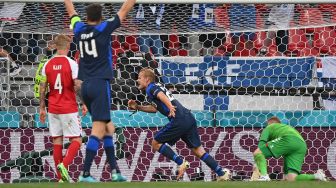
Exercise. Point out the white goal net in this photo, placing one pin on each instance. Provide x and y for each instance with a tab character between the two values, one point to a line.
233	65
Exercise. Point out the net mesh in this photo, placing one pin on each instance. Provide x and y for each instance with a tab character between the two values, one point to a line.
173	18
233	65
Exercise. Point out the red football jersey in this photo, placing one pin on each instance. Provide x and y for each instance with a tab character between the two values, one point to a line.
60	72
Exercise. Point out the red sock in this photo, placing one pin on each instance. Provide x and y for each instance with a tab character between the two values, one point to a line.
71	153
58	157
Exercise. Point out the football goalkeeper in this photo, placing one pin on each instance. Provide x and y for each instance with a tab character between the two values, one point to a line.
278	140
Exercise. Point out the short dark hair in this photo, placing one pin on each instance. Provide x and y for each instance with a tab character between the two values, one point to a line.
272	120
94	12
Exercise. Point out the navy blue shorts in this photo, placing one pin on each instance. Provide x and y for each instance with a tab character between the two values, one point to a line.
181	127
96	94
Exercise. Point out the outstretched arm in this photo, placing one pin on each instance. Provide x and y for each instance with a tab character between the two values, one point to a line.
70	8
125	9
132	104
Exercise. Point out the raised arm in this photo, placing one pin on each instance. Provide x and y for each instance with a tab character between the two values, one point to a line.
125	9
70	8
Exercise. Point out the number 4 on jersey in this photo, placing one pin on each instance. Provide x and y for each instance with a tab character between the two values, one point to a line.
58	83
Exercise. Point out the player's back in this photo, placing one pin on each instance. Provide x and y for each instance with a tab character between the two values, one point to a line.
94	43
60	72
279	130
153	89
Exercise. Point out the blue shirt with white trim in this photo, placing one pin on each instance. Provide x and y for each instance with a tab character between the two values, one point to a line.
153	89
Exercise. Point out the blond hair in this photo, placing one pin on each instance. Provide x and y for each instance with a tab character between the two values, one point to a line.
148	73
61	42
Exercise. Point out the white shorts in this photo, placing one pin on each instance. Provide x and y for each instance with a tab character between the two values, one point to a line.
67	125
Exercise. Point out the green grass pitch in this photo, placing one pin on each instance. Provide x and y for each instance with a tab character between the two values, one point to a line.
274	184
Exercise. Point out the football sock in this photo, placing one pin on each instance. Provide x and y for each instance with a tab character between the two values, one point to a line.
210	161
305	177
58	157
71	153
261	163
91	151
170	154
110	155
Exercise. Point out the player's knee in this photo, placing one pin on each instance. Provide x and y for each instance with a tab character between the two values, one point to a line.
78	139
155	145
256	152
58	140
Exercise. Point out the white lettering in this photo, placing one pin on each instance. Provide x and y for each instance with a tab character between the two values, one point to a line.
188	74
238	150
122	163
331	159
212	152
229	73
86	36
57	67
15	140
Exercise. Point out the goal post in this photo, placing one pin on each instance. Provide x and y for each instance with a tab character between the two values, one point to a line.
234	64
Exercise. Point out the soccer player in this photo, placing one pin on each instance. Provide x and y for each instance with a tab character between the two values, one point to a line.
182	125
59	73
95	70
278	140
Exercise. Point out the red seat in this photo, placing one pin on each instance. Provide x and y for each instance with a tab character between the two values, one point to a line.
220	51
131	44
174	41
222	17
325	41
259	39
311	17
260	20
297	40
245	53
308	52
115	42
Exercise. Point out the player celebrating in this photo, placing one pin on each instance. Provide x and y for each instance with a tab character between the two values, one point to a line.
59	73
95	70
278	140
182	125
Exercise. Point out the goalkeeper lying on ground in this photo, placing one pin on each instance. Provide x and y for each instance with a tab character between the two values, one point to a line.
278	140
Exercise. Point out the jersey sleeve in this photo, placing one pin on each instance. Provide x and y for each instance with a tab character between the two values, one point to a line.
264	136
74	68
75	23
43	73
153	91
113	24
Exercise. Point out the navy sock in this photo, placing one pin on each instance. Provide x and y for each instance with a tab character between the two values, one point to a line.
210	161
169	153
110	155
91	152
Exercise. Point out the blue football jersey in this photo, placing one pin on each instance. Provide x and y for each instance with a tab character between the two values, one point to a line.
152	91
94	43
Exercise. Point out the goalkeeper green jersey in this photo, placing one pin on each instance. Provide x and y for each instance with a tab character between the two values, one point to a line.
277	130
39	77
